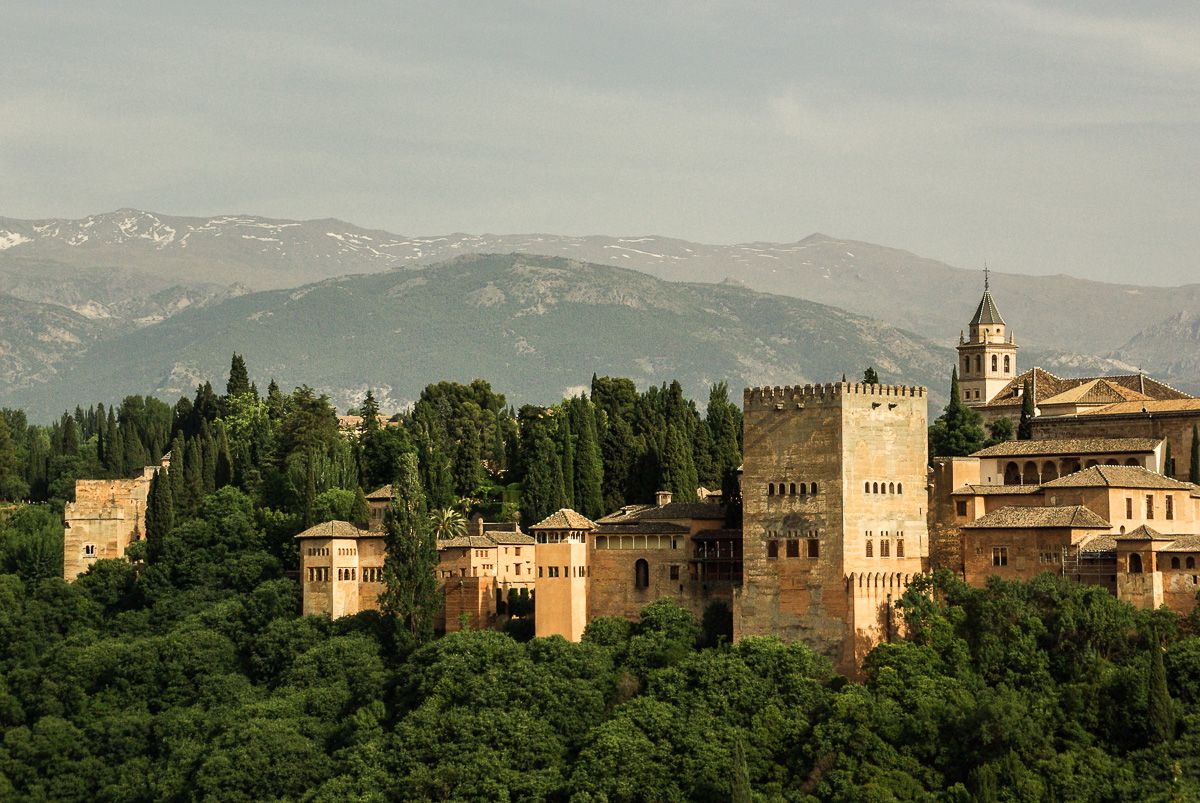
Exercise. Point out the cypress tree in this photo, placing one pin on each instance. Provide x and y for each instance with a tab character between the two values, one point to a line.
1025	427
740	783
275	402
160	515
370	414
410	594
360	511
101	425
208	457
467	462
1194	467
542	490
136	455
175	475
1160	713
678	470
115	448
193	475
224	467
589	465
70	435
1168	461
239	377
958	431
567	453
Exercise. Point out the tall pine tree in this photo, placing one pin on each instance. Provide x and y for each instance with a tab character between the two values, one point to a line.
239	377
589	465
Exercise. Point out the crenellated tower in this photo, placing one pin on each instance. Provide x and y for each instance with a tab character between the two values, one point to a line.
987	353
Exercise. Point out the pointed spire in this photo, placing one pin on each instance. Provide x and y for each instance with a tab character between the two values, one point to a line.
986	313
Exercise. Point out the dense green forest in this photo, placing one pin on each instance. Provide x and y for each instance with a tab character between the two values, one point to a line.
190	674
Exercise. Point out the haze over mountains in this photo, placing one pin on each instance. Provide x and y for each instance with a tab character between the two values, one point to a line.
134	301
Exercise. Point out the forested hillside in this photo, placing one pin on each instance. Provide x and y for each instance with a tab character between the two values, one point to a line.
188	672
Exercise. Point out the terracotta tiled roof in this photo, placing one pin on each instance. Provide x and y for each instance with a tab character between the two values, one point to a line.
565	519
1073	516
641	528
1155	406
1046	386
381	493
468	541
724	534
1095	391
1144	533
333	529
1188	543
1117	477
1069	446
986	312
996	490
508	537
1098	543
703	511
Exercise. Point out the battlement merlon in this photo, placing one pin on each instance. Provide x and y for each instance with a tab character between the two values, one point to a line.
765	396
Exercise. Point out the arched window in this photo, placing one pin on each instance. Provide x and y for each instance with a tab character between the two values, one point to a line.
1191	563
1029	475
641	574
1135	563
1174	563
866	487
995	362
899	547
1007	365
966	365
1012	474
978	364
770	489
792	489
870	548
891	487
899	487
874	487
803	489
814	488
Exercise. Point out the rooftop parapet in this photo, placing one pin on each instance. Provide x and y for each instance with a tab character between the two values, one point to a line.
764	396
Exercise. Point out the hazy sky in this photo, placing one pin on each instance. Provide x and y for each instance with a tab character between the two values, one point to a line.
1041	137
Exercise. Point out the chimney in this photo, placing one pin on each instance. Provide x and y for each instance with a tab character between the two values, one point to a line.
662	498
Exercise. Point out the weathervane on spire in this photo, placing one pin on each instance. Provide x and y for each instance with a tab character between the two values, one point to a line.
985	276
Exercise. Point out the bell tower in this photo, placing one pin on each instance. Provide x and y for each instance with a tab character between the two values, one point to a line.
987	353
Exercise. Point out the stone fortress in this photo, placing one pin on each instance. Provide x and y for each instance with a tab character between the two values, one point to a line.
842	508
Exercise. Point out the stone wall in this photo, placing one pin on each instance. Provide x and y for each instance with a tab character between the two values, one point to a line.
471	597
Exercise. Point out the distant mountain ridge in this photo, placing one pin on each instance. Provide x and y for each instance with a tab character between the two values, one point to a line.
536	327
131	268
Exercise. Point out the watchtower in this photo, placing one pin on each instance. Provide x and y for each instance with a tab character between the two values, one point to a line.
834	526
561	554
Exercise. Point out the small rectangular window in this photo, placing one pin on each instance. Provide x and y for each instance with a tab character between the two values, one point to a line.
1129	507
960	507
1149	506
885	548
999	556
793	548
814	548
772	549
1170	507
517	551
674	572
539	571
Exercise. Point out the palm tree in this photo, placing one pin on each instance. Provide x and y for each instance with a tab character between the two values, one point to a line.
448	523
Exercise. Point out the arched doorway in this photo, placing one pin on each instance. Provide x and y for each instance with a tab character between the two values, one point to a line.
1012	474
1029	475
